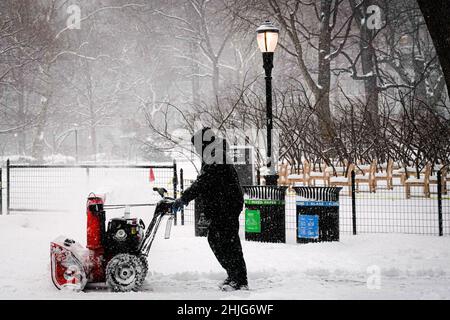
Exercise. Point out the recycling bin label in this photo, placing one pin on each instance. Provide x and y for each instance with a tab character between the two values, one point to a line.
308	226
317	203
263	202
252	221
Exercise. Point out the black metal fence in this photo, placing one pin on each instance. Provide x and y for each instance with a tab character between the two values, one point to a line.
1	191
383	211
424	209
387	210
188	213
62	187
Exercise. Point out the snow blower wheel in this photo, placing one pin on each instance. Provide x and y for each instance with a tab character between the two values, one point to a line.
125	272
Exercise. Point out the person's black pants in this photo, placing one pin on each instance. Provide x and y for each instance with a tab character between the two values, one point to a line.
226	245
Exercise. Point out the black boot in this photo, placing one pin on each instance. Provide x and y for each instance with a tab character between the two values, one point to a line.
233	286
225	282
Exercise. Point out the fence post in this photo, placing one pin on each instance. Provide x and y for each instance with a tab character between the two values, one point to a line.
439	192
181	193
8	203
175	182
87	177
353	202
1	192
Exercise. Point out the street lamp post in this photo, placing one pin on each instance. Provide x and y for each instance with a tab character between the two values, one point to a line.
267	37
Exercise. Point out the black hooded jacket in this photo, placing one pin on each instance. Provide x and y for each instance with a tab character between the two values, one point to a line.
217	191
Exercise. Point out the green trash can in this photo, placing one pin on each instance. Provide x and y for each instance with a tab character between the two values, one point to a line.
265	213
317	214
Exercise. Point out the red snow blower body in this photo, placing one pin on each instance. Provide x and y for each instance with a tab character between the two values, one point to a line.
115	253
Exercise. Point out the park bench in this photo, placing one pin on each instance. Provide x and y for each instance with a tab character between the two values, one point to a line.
387	175
302	178
423	182
343	181
368	178
320	175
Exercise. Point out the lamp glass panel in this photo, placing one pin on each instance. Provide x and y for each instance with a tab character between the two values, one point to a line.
267	41
261	41
271	41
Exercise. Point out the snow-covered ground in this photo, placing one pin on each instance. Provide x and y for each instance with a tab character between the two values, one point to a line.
183	267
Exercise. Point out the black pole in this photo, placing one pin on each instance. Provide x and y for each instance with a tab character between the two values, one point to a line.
181	192
76	145
353	202
175	182
8	193
439	191
1	192
272	177
88	179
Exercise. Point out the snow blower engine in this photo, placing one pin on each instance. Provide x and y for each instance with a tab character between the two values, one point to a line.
115	254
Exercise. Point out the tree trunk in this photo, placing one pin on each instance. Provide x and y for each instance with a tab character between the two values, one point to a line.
26	22
324	77
195	71
21	111
370	83
215	79
419	69
368	63
436	14
38	143
194	48
92	115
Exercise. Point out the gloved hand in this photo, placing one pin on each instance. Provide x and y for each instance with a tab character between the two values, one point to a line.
178	205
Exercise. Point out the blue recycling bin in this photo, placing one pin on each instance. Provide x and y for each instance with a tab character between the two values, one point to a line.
317	214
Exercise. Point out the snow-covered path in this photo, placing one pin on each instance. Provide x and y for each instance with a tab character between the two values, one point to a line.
183	267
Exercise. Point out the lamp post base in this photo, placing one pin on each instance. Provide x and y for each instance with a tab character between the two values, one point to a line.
271	180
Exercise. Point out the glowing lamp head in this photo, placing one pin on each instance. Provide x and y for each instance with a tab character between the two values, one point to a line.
267	37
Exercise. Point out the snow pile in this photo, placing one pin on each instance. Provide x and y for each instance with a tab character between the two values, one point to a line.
16	159
50	159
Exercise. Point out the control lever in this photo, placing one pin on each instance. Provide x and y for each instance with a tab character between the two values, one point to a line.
161	191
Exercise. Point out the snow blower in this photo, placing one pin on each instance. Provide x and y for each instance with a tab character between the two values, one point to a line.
115	254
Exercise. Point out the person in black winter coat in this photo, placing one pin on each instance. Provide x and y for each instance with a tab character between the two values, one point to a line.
219	196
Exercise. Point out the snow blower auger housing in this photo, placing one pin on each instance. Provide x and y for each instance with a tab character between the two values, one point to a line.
115	253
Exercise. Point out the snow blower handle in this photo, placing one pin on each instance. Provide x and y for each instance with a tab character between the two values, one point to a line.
172	215
169	200
161	191
166	204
